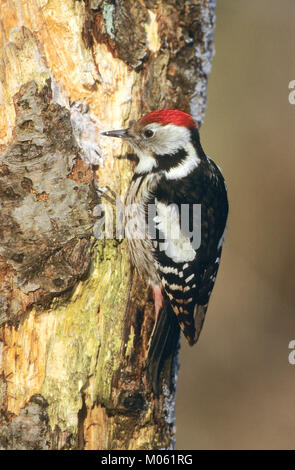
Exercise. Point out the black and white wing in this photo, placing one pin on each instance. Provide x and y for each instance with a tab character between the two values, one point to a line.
188	269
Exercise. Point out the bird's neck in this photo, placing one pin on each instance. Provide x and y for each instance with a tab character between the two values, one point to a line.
147	163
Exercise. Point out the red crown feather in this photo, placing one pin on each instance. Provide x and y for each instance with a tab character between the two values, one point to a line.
169	116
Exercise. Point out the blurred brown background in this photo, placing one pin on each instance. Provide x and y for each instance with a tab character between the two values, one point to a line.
236	387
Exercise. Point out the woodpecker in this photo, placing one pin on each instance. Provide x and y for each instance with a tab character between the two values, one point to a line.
174	172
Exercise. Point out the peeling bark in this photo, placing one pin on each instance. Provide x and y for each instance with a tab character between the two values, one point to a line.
46	204
75	320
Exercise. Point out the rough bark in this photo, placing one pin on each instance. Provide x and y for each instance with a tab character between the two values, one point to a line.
75	320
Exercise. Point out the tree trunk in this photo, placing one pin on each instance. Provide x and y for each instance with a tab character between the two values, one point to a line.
75	320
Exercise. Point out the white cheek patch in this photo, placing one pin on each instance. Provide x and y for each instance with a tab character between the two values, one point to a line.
169	138
146	163
175	244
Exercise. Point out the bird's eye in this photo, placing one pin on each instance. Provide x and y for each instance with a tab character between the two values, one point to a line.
148	133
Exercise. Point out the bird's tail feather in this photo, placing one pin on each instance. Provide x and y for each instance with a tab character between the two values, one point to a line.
163	348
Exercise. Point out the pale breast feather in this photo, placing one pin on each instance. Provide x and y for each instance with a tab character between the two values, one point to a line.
139	242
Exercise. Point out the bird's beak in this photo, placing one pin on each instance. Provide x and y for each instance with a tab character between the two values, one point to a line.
122	133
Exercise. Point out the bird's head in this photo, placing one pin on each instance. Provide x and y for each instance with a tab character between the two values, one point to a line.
161	139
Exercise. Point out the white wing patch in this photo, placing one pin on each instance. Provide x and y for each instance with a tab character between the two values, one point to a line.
176	245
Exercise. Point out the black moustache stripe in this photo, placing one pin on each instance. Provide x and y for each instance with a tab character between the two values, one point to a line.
167	161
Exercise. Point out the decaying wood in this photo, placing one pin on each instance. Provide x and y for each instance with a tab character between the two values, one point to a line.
74	318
